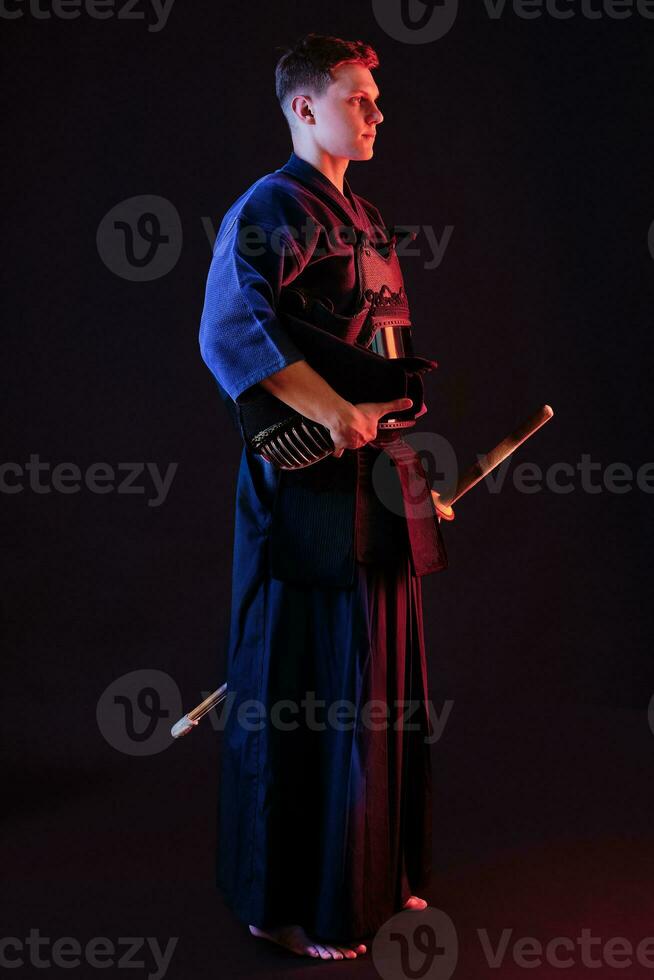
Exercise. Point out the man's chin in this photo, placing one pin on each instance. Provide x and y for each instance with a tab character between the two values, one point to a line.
364	152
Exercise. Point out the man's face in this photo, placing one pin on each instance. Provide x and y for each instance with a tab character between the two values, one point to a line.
346	114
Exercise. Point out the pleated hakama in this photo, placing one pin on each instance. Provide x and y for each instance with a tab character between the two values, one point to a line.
325	793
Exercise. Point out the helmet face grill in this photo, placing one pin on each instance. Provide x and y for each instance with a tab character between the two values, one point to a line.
295	443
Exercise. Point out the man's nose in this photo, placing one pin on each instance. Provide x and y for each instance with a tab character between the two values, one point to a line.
376	116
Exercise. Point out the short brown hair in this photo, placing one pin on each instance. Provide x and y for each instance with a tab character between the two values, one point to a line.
307	63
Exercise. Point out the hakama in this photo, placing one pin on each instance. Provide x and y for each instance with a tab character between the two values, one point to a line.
327	823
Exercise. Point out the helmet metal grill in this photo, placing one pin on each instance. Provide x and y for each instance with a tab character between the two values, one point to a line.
295	443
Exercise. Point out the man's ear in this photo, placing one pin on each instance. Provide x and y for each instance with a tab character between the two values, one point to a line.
305	111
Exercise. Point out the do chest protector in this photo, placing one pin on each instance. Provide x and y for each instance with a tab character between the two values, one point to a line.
366	357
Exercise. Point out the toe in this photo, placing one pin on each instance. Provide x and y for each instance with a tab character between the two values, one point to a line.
415	903
349	954
334	953
322	952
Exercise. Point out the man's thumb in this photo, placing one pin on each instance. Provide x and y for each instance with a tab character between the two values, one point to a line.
397	404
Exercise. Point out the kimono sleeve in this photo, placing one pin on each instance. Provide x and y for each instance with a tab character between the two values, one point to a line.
241	338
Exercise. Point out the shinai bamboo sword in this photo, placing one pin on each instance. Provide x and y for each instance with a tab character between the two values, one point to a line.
486	464
443	505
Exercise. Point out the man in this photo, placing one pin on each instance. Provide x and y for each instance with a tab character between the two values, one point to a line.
324	826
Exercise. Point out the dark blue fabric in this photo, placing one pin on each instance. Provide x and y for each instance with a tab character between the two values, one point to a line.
328	829
293	211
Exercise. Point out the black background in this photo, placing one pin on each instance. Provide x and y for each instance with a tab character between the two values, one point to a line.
532	138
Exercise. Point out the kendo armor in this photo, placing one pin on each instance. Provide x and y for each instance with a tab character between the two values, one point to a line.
365	357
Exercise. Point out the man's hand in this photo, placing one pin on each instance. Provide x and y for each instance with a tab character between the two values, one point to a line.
306	391
353	426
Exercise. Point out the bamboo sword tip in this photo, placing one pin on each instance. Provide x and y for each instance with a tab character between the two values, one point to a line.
182	727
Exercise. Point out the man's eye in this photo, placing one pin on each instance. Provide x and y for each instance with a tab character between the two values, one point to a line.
357	98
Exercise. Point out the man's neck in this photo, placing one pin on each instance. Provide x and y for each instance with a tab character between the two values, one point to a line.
332	167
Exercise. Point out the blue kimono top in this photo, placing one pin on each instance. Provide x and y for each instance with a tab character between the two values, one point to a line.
283	228
292	227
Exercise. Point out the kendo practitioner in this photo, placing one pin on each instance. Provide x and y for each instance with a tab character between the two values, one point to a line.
324	827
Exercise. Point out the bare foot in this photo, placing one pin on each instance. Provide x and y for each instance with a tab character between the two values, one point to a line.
415	904
296	939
